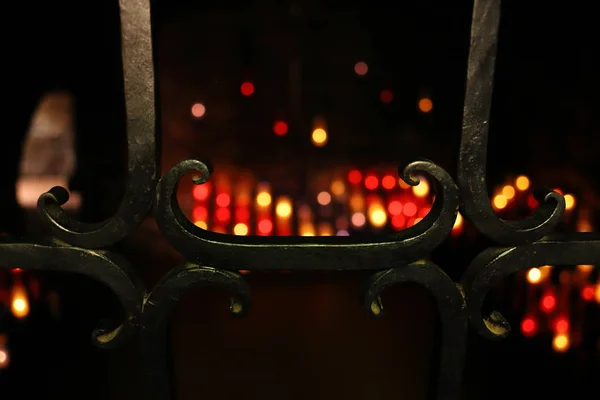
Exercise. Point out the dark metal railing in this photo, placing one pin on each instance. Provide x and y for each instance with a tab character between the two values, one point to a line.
214	258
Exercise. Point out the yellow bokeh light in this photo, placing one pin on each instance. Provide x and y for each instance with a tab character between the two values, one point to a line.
597	294
422	189
19	302
263	199
508	191
240	229
425	105
522	183
283	208
458	222
319	137
357	202
534	275
500	202
201	224
561	343
338	188
307	229
569	201
377	216
325	229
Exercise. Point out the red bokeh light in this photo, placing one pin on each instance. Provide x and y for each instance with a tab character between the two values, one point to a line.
223	200
588	293
548	302
200	213
531	201
265	227
354	177
242	214
410	209
223	214
528	326
388	182
398	221
201	192
280	128
386	96
395	207
247	88
561	325
371	182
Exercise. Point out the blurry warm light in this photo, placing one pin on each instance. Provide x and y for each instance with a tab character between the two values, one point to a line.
425	105
223	200
371	182
242	214
597	296
240	229
508	191
201	192
388	182
319	137
587	293
395	207
19	301
561	343
569	201
585	269
280	128
458	222
377	216
361	68
386	96
200	213
561	325
342	232
307	229
338	188
522	183
325	229
500	202
223	214
422	189
263	199
247	88
409	209
201	225
354	177
545	271
548	303
528	326
357	202
3	358
198	110
398	221
534	275
283	208
403	184
358	219
265	227
324	198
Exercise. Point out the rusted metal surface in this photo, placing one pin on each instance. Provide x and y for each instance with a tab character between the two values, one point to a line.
213	258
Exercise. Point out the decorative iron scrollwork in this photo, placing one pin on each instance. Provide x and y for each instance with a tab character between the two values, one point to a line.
102	266
451	308
302	253
138	73
475	204
493	264
157	309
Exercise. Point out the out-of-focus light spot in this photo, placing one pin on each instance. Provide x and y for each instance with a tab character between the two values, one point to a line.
358	219
342	232
425	105
522	183
587	293
422	189
371	182
354	177
223	200
265	227
561	325
409	209
395	207
398	221
386	96
16	270
319	137
528	326
338	188
500	202
388	182
534	275
531	201
425	210
247	88
361	68
283	208
307	229
357	202
223	214
458	222
559	191
508	191
324	198
19	302
341	222
377	216
242	214
597	294
585	269
3	358
403	184
200	213
560	343
263	199
201	192
201	225
304	212
198	110
240	229
280	128
548	303
325	229
569	201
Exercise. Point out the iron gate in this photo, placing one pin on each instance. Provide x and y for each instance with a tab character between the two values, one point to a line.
214	258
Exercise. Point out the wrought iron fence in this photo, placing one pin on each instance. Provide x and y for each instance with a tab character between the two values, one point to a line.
213	258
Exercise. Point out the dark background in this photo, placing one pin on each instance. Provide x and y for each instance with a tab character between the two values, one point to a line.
307	336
